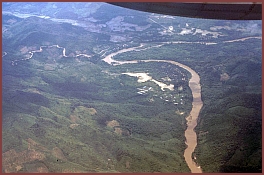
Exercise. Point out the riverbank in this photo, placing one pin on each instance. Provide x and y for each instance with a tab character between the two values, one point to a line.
194	84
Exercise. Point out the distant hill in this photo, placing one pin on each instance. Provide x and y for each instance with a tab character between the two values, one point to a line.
66	110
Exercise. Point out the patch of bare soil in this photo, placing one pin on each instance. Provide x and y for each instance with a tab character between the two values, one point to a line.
80	110
42	169
34	90
57	152
72	126
118	131
224	77
117	128
112	123
13	161
36	168
74	119
127	164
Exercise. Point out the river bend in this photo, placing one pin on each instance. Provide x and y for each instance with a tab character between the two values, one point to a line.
194	84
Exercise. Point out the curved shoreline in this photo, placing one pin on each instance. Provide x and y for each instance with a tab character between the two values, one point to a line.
194	84
197	103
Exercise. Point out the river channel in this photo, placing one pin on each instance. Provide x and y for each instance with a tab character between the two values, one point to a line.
194	84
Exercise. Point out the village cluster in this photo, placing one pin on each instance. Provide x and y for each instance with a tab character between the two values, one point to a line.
177	98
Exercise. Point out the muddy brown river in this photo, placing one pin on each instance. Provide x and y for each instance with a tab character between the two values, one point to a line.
194	84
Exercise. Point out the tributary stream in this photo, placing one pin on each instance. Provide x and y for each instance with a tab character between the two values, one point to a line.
194	84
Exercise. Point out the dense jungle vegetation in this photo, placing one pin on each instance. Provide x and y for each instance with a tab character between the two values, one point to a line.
67	113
